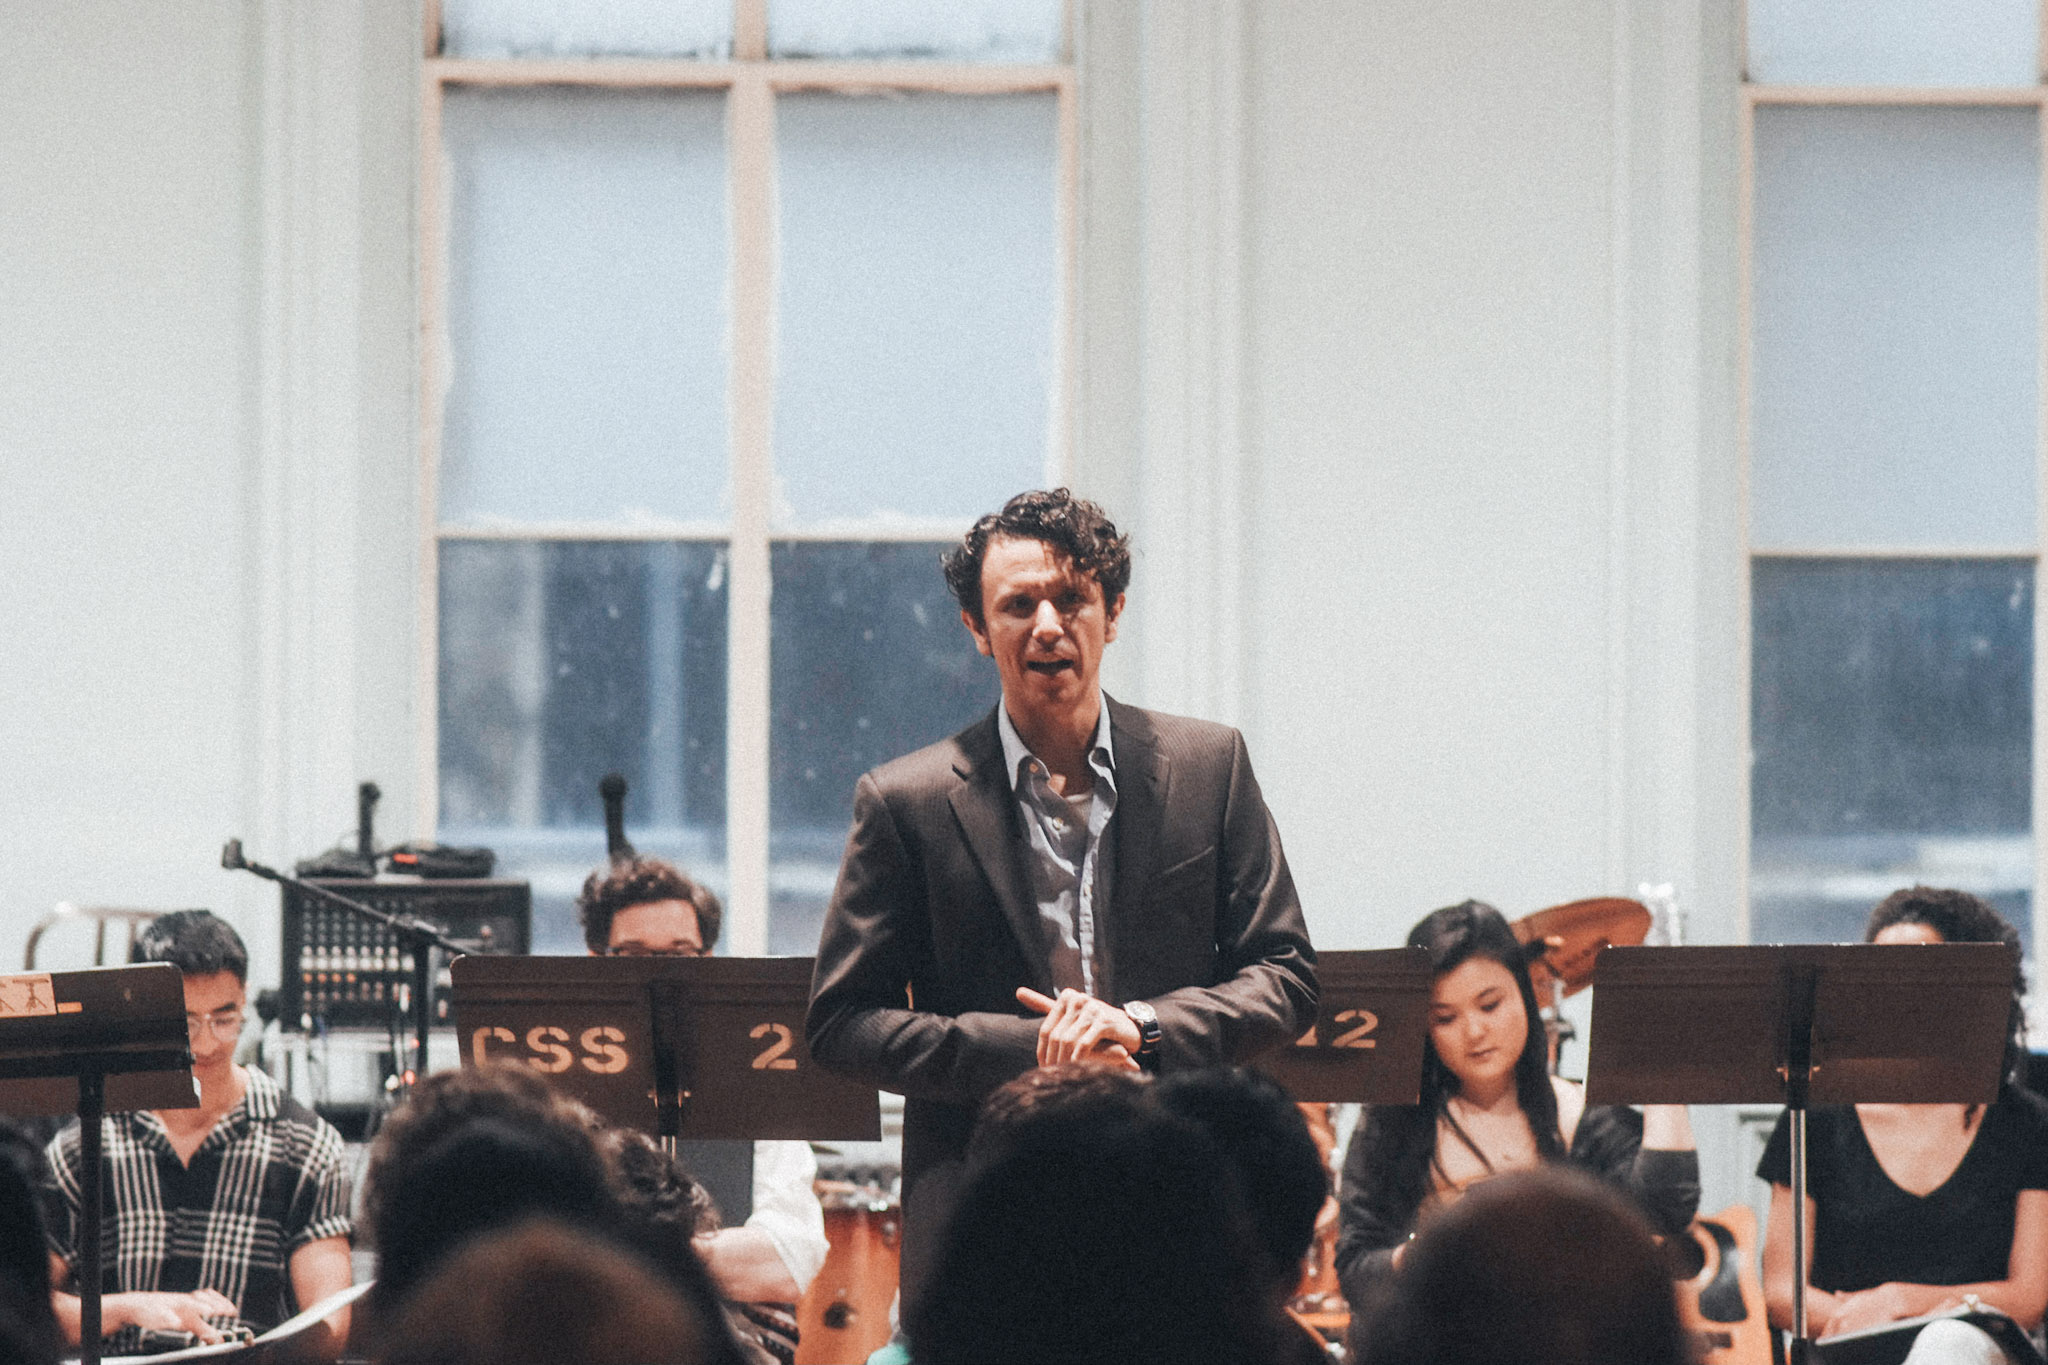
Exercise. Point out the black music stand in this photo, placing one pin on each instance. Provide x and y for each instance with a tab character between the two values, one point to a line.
683	1048
92	1043
1801	1024
1371	1021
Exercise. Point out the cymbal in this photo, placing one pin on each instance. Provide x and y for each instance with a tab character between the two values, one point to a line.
1576	932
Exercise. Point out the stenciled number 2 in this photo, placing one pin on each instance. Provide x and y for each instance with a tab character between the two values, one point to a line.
1362	1022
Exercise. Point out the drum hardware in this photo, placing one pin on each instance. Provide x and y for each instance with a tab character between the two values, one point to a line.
1562	943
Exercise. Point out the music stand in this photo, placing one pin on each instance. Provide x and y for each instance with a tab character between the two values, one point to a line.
93	1042
1798	1025
1366	1043
683	1048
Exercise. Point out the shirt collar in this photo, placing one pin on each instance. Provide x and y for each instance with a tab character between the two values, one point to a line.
1015	751
262	1100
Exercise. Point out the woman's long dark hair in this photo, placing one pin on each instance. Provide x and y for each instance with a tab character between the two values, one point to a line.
1960	917
1400	1140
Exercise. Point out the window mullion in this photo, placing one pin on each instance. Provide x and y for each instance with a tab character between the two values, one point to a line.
2039	793
752	114
433	233
750	30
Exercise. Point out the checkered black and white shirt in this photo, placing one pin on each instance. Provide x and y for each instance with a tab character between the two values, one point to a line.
267	1180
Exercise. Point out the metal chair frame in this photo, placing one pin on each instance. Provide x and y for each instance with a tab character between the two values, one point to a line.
131	918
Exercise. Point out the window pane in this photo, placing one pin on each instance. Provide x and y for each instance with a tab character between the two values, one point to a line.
870	661
1892	725
1893	42
586	306
970	30
562	661
1896	327
586	28
917	297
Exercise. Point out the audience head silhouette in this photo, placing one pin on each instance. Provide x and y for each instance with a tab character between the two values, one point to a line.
1538	1267
543	1293
1262	1133
1100	1230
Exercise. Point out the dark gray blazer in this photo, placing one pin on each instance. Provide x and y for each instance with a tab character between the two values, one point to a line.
934	906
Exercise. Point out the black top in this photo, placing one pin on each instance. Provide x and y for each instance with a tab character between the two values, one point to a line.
1608	1143
1867	1231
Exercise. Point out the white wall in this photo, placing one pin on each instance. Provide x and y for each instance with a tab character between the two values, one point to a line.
1434	493
124	432
1404	345
204	369
1437	476
1432	341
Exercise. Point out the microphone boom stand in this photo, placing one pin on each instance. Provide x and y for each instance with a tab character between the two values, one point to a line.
415	936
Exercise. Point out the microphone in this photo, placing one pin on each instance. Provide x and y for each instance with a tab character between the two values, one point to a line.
612	788
366	808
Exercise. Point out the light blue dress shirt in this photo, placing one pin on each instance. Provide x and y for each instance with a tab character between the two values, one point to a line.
1070	858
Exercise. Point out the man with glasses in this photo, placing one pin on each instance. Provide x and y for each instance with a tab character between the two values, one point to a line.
226	1218
645	907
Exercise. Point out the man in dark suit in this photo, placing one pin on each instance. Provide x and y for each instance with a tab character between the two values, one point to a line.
1069	879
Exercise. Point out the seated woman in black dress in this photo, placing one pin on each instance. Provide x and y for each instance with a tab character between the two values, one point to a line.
1919	1208
1489	1105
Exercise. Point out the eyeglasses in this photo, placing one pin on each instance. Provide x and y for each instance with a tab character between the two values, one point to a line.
642	950
226	1027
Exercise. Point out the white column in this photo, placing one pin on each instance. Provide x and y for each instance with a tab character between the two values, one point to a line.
301	484
1191	486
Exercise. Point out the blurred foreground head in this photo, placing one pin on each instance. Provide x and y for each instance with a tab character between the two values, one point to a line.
1540	1267
544	1293
1096	1229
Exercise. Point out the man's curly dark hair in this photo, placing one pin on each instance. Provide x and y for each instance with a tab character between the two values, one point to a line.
1960	917
639	881
1075	527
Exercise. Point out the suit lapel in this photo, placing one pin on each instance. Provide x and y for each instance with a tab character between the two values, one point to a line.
986	809
1143	778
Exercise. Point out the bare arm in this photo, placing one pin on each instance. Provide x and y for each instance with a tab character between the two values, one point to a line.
151	1312
746	1267
1820	1304
1667	1128
318	1269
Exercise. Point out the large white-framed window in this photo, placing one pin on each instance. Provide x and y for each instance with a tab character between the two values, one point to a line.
1893	413
735	313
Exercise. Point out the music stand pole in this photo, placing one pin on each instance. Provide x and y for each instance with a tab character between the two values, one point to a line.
92	1107
416	936
1802	982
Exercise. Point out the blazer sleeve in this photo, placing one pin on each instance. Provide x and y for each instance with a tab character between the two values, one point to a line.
860	1021
1265	994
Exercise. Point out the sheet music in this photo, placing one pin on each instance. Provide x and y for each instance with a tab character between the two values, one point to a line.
300	1322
